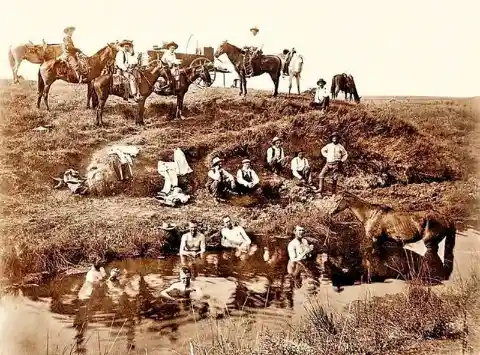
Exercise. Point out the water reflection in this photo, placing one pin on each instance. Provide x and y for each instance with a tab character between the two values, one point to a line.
263	283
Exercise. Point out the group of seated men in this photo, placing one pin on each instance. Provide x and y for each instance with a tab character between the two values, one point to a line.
220	182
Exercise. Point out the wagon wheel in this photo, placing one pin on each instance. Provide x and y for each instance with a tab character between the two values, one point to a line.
204	61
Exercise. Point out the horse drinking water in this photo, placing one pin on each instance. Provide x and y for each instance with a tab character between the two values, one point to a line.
271	64
382	223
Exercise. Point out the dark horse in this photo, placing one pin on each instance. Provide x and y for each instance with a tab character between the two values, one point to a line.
55	69
345	83
103	86
186	77
382	224
271	64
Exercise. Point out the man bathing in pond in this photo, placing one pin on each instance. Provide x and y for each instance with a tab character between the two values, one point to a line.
298	248
247	179
234	236
193	242
276	156
184	288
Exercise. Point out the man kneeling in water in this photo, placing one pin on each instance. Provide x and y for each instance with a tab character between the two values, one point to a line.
184	287
192	243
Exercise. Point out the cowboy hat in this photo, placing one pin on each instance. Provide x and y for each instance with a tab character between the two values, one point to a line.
275	139
168	226
125	42
245	161
170	44
177	61
254	28
70	28
334	134
216	160
321	81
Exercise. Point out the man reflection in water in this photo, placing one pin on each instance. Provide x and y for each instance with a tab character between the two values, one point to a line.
184	288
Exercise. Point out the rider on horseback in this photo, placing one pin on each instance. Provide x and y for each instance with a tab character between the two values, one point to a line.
125	69
170	59
69	52
252	51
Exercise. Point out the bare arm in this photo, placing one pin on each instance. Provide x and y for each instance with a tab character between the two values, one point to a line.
183	244
202	244
245	236
165	294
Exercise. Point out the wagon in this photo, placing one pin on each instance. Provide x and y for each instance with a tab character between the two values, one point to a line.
202	56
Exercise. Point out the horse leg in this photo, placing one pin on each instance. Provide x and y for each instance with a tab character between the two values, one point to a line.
101	104
244	85
41	88
15	71
298	84
448	253
45	95
141	111
290	79
180	98
89	93
276	80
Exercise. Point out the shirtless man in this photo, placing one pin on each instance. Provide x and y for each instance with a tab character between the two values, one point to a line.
184	287
234	236
192	243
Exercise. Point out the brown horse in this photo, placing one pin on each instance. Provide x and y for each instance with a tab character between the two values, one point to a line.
55	69
271	64
103	86
345	83
383	224
187	77
34	53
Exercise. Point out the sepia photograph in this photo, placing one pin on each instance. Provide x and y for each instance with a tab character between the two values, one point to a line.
240	178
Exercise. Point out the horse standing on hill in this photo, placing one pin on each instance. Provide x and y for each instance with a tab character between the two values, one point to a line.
55	69
345	83
271	64
187	76
294	71
382	223
104	86
34	53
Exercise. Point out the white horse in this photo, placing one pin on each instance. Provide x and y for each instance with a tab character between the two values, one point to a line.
294	71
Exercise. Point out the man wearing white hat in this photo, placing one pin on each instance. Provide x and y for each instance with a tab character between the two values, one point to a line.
276	156
253	49
247	179
125	69
69	52
170	59
220	181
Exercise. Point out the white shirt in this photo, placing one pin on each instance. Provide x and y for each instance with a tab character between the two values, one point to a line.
320	94
254	41
240	179
169	58
274	152
94	275
334	153
299	165
215	174
123	59
236	235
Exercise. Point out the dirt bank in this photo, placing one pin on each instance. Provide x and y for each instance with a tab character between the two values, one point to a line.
424	146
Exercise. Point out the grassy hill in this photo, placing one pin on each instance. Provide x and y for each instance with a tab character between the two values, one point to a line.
423	144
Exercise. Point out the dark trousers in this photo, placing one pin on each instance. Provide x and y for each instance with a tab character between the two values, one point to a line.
322	105
330	168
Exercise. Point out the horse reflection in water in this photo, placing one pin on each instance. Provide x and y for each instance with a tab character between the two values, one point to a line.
131	306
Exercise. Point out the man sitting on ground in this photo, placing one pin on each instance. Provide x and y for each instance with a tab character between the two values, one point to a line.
301	169
247	179
276	156
234	236
321	99
220	181
192	243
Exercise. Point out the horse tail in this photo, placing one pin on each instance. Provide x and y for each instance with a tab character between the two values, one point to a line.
448	252
11	58
41	83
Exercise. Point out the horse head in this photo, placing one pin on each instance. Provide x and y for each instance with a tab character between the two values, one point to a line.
342	203
221	49
203	72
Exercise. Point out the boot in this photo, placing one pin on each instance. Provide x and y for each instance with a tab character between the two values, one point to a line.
320	186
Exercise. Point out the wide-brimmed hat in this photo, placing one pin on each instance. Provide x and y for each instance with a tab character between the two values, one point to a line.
334	134
254	28
170	44
167	226
216	160
177	61
321	81
245	161
70	28
276	139
125	42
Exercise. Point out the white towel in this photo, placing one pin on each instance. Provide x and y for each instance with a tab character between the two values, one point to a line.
179	158
169	171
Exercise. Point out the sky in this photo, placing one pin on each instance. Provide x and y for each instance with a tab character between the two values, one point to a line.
408	47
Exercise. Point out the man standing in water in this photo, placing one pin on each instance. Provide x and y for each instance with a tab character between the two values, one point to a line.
192	243
184	287
298	248
234	236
